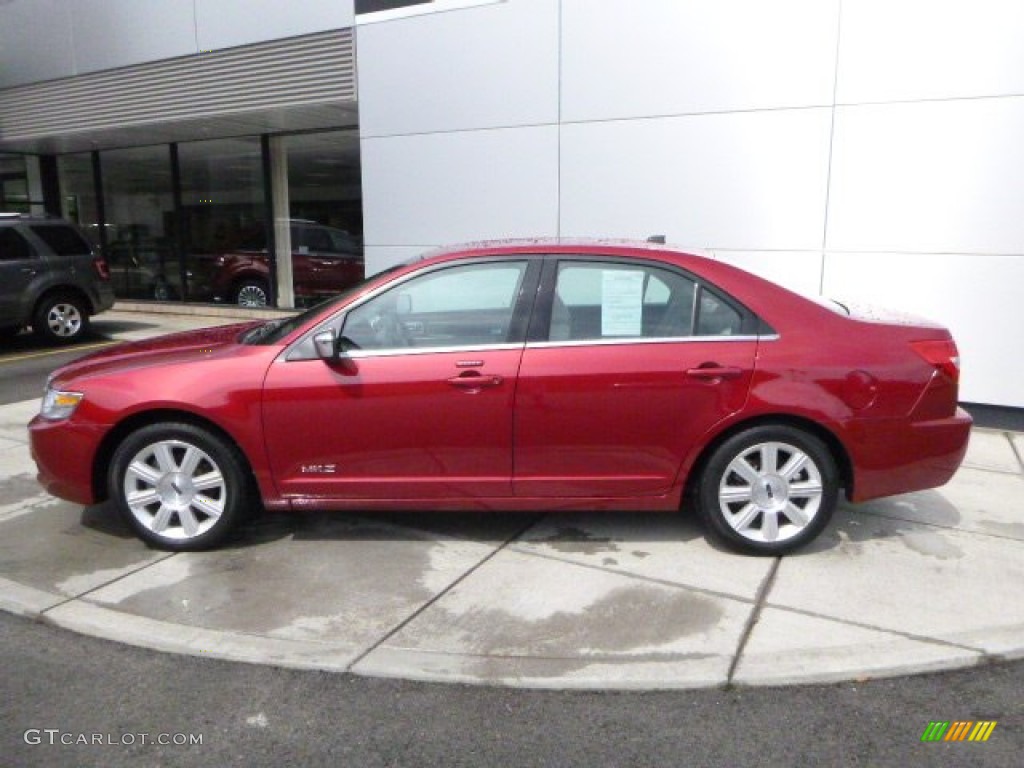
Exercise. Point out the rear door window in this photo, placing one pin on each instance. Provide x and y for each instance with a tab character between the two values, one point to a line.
63	241
13	247
604	300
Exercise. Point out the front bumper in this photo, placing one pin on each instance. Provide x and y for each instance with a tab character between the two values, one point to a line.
64	453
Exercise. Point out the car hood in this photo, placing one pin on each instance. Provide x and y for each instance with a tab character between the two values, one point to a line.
162	350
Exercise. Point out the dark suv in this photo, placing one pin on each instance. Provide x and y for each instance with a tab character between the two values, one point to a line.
49	278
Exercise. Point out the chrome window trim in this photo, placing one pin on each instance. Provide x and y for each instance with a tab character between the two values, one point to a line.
643	340
362	354
367	354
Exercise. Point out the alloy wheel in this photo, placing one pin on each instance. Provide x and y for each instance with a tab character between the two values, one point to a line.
770	492
252	296
64	320
175	489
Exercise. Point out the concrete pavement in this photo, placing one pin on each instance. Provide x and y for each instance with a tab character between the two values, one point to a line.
918	582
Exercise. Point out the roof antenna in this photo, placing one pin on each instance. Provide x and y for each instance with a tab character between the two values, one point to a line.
659	239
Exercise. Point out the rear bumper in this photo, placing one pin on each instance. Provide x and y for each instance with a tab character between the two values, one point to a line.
894	457
103	298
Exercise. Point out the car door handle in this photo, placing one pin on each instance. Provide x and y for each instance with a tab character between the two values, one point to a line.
473	380
711	371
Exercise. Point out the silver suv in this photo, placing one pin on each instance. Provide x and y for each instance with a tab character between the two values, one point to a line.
49	278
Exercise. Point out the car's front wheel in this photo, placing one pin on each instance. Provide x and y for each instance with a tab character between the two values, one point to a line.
768	490
179	486
61	319
252	293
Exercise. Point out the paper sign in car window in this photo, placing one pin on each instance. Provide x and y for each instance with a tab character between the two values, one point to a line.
622	296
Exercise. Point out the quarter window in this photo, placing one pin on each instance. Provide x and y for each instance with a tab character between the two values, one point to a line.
716	317
461	306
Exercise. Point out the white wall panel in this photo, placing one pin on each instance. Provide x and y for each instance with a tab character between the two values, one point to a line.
753	180
929	49
932	177
35	41
480	67
660	57
228	23
799	271
379	257
976	297
435	189
117	33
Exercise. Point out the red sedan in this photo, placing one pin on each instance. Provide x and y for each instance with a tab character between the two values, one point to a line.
537	376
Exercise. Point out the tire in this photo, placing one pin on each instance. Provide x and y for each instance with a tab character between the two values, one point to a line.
152	477
768	490
162	290
61	318
252	293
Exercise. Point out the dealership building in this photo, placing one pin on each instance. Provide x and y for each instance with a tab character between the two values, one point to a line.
868	150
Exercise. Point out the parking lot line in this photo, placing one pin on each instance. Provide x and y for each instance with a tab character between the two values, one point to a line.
60	351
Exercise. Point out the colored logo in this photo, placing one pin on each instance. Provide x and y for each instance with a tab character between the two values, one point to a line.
958	730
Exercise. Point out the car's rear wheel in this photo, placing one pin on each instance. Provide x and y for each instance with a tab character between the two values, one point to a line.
61	318
768	490
252	293
179	486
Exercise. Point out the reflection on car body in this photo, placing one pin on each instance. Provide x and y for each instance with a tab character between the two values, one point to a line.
325	261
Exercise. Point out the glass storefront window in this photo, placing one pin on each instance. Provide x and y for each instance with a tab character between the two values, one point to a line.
206	239
14	197
78	194
326	212
139	208
223	212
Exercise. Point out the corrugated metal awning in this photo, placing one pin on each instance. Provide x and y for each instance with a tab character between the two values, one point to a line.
298	83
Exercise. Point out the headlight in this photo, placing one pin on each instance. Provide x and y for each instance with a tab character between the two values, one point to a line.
58	404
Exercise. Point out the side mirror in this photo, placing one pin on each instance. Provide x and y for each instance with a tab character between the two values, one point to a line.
326	343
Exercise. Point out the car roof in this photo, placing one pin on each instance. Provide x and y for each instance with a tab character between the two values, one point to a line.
688	258
775	304
562	245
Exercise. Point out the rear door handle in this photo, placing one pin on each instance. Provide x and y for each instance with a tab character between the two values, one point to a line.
473	380
711	371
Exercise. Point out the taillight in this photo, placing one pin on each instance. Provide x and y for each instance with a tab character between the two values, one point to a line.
942	353
101	267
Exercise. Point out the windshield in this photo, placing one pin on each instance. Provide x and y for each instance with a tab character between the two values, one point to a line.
273	331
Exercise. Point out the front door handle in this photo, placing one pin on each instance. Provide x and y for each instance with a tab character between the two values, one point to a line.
474	381
713	372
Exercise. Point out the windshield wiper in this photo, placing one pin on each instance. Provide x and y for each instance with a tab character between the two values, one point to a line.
260	332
